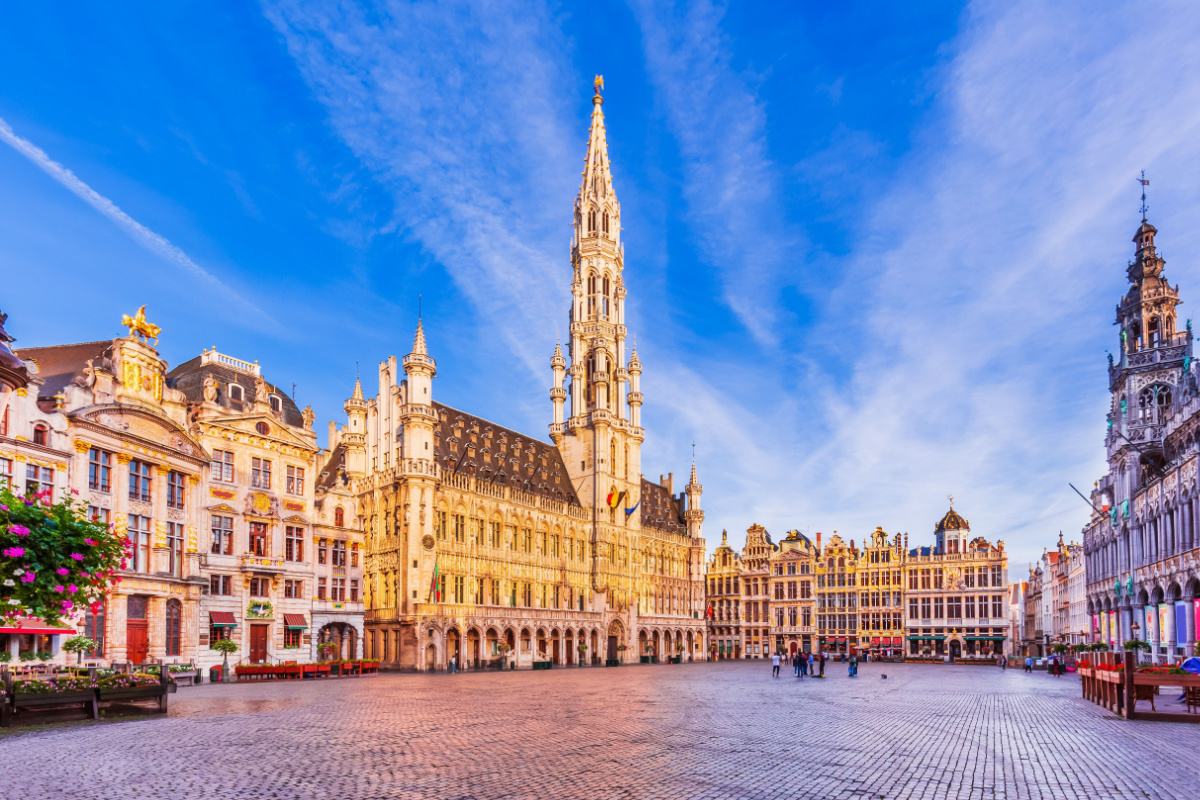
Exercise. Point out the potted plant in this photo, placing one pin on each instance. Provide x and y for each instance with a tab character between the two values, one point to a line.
712	651
225	647
325	650
5	656
79	645
582	653
1134	645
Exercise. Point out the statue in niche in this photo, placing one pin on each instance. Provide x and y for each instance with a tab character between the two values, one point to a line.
210	389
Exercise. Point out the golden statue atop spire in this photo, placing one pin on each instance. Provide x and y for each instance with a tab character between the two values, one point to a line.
598	84
139	327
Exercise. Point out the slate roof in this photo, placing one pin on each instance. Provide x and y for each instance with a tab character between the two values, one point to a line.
327	478
60	364
660	509
188	378
470	445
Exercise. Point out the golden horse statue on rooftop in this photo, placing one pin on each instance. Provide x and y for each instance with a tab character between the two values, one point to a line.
139	327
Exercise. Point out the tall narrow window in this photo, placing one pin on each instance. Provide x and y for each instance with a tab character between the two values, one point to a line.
339	517
604	300
260	473
258	538
41	434
139	536
222	535
176	481
175	549
139	481
174	625
295	480
339	553
99	470
294	543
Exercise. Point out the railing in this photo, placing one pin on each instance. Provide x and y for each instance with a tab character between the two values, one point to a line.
343	606
213	357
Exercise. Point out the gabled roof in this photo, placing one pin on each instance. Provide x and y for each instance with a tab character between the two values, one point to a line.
469	445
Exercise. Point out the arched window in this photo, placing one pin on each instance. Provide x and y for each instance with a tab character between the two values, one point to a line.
606	292
339	517
174	624
591	222
1135	336
1154	404
591	293
93	628
605	223
1152	331
41	434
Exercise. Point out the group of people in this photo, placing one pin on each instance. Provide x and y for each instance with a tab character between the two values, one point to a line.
805	664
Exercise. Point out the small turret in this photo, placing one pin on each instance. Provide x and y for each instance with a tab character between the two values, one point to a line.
354	434
693	516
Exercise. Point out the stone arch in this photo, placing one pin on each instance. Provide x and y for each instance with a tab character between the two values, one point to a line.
1174	591
474	647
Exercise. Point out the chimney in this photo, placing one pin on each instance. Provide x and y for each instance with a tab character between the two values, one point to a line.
332	435
667	481
818	541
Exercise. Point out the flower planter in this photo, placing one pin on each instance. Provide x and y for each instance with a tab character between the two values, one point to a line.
612	662
189	678
369	668
132	693
27	706
543	664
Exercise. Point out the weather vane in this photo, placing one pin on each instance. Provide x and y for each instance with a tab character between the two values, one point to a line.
1142	180
950	497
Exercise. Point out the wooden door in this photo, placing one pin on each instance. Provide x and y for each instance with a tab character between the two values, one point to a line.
137	642
258	644
612	648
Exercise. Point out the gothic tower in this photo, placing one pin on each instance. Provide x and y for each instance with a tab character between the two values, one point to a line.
1147	384
601	437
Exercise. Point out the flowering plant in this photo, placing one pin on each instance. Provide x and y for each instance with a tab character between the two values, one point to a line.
53	561
53	686
130	681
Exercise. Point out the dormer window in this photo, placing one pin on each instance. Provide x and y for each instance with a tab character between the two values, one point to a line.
235	392
41	434
276	403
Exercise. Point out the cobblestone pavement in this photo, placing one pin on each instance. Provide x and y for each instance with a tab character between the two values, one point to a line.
692	731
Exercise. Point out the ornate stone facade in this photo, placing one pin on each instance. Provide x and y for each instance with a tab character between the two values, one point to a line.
490	546
957	594
837	595
881	595
1140	545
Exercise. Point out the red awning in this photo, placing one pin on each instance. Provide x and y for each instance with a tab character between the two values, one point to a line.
875	641
295	621
31	625
222	619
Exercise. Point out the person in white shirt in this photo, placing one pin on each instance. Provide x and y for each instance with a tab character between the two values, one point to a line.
775	665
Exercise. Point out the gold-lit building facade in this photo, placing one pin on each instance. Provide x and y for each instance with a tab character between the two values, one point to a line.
493	547
793	596
880	578
837	595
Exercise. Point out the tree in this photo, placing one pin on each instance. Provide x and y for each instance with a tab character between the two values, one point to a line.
225	646
54	562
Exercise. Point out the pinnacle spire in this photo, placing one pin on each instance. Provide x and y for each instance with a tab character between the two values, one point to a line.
597	180
358	393
419	341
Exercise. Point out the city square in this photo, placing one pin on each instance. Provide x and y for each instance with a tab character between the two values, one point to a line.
723	730
644	399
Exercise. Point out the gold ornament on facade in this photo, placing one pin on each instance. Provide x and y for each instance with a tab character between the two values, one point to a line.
81	446
139	328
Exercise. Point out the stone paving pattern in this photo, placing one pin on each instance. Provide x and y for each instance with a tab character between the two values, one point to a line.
723	730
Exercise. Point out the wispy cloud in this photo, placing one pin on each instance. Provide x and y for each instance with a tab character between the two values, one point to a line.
152	241
458	110
730	183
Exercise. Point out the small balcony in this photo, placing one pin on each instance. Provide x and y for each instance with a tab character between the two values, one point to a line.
253	563
337	607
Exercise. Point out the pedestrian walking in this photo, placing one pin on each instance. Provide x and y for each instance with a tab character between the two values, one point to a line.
1029	664
808	659
802	661
1003	662
852	669
822	656
795	664
775	665
453	665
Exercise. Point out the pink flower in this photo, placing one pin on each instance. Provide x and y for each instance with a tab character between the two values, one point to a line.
15	552
72	588
67	605
63	571
89	542
76	556
28	577
60	589
19	530
3	507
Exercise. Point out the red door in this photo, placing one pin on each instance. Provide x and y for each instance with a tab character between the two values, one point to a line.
258	644
137	643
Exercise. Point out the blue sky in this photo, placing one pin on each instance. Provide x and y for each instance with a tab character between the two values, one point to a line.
873	252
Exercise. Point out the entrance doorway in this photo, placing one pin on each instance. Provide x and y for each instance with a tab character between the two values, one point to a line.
792	648
612	648
137	639
955	648
431	658
258	643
